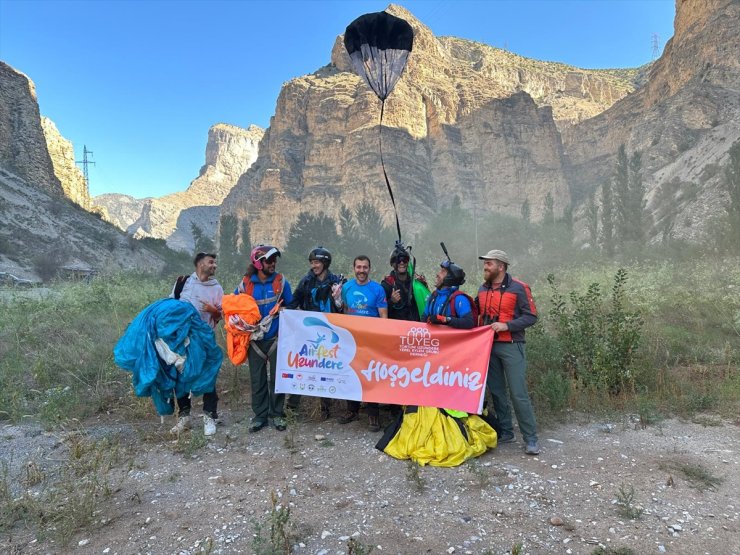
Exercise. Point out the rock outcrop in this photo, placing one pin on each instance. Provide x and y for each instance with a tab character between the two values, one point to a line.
465	120
683	120
230	151
63	159
23	148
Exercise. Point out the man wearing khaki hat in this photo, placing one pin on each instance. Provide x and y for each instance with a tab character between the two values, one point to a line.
506	304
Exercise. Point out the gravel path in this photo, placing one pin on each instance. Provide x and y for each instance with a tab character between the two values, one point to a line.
181	500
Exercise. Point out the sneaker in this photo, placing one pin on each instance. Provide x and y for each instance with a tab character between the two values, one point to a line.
347	417
257	425
506	437
209	425
279	423
183	423
532	448
374	425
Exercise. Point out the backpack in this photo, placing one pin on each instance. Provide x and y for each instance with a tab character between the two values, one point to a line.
453	311
179	285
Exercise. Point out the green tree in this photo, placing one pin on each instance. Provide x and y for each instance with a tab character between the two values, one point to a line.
228	252
526	211
548	216
607	218
639	218
592	220
732	186
202	243
621	197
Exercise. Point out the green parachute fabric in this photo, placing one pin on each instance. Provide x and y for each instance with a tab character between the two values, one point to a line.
421	292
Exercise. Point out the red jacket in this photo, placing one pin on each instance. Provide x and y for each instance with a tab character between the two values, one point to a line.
510	303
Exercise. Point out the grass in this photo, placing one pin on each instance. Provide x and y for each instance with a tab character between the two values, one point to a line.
56	505
356	547
626	503
696	475
274	535
414	476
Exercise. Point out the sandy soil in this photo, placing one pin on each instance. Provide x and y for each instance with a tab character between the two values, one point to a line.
338	486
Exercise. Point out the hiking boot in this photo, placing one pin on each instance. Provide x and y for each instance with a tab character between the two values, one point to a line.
506	437
183	423
347	417
325	414
532	448
257	425
279	423
374	425
209	425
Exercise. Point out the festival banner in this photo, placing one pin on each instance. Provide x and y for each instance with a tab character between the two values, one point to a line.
382	361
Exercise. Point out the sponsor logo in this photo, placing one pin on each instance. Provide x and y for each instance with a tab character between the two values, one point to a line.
332	389
418	342
287	375
326	379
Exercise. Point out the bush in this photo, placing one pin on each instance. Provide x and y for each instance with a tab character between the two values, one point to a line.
598	342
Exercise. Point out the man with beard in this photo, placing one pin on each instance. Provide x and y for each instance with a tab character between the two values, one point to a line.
399	288
315	292
269	290
506	304
203	291
363	297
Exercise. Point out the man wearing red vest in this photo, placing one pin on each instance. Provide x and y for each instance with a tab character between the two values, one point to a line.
506	304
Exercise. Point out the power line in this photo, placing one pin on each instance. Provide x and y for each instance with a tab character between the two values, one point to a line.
85	162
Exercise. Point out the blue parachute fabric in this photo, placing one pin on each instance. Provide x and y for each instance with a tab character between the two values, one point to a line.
179	325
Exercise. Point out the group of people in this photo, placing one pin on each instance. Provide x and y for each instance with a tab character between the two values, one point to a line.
502	302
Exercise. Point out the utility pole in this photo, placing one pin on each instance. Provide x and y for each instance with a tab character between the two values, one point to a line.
656	46
85	162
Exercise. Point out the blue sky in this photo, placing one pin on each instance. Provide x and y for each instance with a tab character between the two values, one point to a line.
140	82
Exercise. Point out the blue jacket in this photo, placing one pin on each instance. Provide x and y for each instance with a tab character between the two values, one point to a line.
173	321
266	299
437	303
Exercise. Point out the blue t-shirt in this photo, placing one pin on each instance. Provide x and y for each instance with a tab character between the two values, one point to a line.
363	300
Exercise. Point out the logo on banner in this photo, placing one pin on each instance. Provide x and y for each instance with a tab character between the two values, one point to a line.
418	342
320	352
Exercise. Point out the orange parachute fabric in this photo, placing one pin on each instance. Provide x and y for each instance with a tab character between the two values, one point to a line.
241	314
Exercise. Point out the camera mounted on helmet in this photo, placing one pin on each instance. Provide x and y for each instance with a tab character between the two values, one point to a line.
455	274
262	254
400	254
322	255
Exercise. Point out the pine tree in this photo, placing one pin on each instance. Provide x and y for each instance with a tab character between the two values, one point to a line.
228	253
202	243
622	208
592	220
526	211
732	186
639	226
548	216
607	219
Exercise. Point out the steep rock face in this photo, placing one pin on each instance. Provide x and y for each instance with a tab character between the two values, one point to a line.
683	120
120	210
23	148
42	229
465	120
230	151
63	159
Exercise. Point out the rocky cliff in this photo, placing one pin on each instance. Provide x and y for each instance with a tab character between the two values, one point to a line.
465	120
23	149
41	229
62	156
683	120
230	151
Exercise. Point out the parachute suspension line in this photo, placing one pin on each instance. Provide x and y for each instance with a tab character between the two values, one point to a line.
382	164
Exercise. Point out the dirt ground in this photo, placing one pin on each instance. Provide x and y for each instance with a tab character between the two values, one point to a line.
183	498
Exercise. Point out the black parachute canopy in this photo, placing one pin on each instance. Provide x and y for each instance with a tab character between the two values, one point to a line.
379	45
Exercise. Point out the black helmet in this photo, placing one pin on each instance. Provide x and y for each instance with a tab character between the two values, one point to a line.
455	274
399	253
322	255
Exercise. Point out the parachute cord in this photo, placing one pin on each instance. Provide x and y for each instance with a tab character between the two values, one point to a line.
382	164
